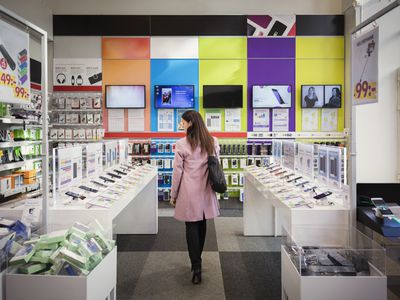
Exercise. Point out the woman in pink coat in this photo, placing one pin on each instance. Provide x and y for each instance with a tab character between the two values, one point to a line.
191	194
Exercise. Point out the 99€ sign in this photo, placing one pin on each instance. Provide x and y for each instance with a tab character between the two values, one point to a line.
365	67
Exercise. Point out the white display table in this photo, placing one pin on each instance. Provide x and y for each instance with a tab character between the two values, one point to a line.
135	213
264	214
99	284
297	287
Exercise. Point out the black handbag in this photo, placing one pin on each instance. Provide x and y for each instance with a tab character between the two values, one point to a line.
216	176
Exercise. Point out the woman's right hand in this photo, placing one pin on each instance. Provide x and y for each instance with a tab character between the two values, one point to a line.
172	201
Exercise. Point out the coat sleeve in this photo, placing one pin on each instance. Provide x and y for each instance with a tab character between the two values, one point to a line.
178	170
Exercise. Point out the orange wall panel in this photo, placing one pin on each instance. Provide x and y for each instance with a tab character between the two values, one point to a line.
125	48
127	72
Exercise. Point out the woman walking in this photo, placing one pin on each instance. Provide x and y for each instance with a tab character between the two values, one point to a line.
191	194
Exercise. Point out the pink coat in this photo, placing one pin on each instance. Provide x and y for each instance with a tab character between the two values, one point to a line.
194	196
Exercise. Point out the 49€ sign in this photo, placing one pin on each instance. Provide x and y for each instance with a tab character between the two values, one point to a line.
14	64
365	67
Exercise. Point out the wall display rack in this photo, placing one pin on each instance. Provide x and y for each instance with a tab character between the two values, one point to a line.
76	116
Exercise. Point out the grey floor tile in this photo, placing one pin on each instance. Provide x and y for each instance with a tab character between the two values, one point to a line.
230	237
171	237
231	212
251	275
129	269
166	275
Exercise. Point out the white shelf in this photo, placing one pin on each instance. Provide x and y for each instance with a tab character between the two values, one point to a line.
259	155
22	189
234	172
16	165
74	141
233	156
139	156
18	143
161	156
75	125
76	110
11	120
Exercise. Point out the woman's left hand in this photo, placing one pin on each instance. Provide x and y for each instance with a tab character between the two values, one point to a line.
172	202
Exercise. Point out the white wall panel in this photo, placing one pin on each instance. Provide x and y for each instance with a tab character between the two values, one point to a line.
174	47
77	47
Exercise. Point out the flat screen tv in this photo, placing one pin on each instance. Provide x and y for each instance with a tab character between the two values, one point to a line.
174	96
312	96
333	96
271	96
125	96
222	96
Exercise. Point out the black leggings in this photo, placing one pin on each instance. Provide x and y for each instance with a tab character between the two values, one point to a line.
195	237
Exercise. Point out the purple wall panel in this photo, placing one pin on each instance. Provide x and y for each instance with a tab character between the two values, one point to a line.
271	47
270	72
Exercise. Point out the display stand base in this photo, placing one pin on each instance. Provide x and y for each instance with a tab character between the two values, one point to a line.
296	287
99	284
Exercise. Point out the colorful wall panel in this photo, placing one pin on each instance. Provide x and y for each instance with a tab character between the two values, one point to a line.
129	72
223	48
173	72
319	64
224	72
271	62
175	47
125	48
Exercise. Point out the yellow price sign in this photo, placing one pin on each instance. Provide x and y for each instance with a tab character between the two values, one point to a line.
7	79
365	91
21	93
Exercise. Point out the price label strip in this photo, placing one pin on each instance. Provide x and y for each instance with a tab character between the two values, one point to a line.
10	81
365	90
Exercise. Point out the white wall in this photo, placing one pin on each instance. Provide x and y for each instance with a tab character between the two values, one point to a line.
377	130
35	11
196	7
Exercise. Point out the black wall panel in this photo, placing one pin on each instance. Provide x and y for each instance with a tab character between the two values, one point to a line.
319	25
198	25
98	25
390	192
36	71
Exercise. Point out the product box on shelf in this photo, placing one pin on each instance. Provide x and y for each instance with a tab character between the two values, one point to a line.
68	134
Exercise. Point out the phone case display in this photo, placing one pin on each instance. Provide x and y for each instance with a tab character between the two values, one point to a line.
139	150
316	254
233	159
80	112
162	156
20	147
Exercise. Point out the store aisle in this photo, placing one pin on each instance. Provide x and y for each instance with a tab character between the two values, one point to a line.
234	267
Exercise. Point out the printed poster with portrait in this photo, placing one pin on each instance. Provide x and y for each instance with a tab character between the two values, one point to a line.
14	65
364	59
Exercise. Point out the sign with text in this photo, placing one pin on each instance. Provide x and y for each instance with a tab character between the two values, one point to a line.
14	65
77	72
364	59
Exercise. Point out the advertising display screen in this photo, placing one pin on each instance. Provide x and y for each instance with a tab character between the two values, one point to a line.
174	96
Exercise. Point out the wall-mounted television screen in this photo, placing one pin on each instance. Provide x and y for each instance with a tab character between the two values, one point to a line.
333	96
125	96
312	96
174	96
222	96
270	96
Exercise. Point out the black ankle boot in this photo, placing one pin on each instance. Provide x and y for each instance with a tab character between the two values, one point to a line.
196	279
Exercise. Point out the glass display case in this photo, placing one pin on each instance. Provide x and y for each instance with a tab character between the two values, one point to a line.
312	256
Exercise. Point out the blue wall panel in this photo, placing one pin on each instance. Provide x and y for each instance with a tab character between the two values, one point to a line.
173	72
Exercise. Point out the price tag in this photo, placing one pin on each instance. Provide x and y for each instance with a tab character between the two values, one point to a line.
7	79
365	90
21	93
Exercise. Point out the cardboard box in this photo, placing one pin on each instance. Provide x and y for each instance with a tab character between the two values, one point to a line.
75	104
61	134
97	102
83	119
89	135
75	118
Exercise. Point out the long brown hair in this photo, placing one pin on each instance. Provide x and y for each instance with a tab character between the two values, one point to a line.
197	134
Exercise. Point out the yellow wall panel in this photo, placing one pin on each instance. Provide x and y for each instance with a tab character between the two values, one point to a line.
224	72
223	48
320	47
319	71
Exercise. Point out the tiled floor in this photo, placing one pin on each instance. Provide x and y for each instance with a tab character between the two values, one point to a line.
234	267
